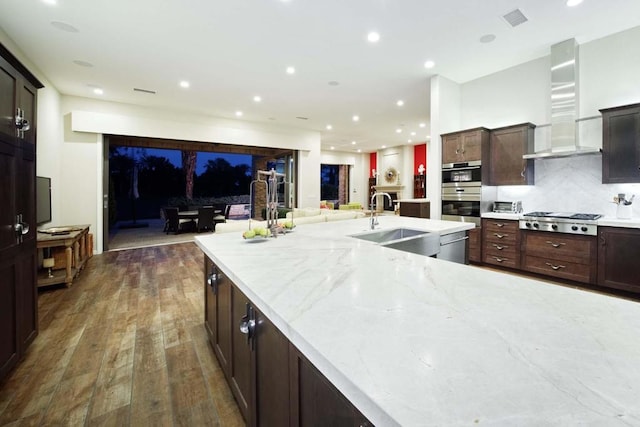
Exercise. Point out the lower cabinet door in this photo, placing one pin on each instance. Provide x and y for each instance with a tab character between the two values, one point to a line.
271	349
315	401
241	359
618	258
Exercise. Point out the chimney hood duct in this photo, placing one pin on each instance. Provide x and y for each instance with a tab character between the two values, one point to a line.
564	103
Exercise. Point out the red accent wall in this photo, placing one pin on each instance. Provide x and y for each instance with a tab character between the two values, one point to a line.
373	163
419	157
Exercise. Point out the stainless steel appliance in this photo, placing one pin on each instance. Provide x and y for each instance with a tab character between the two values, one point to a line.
561	222
453	247
464	198
507	207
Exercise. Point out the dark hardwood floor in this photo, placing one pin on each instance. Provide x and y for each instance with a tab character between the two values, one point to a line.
125	345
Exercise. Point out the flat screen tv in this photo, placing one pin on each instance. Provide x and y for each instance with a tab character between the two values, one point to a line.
43	200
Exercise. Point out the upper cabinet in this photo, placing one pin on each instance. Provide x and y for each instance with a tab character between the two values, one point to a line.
505	165
621	144
464	146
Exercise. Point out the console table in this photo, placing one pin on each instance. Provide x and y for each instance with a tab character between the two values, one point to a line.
77	244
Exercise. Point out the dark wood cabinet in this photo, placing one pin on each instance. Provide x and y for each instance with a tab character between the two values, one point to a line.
621	144
464	146
316	402
501	242
505	164
475	245
419	186
217	317
241	381
415	209
566	256
18	259
618	250
273	384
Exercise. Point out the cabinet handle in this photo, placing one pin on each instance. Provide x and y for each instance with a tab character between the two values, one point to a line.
523	171
499	259
500	236
248	324
498	224
499	247
555	267
555	245
212	281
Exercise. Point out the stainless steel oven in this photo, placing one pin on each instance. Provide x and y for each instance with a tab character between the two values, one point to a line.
457	173
462	203
464	197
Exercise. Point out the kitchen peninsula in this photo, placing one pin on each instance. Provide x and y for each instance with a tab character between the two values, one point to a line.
412	340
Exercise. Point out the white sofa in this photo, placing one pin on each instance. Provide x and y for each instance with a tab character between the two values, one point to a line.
298	215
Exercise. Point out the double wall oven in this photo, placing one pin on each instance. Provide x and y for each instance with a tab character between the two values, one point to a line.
464	197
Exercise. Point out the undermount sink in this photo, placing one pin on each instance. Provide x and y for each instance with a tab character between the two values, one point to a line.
380	236
404	239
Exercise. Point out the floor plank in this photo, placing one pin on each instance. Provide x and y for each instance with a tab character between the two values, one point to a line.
124	346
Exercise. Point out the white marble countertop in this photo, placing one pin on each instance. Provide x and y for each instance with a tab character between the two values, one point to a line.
415	341
612	221
501	215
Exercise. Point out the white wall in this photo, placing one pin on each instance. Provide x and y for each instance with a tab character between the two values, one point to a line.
446	103
609	76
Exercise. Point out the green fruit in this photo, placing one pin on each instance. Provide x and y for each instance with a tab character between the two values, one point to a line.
249	234
264	232
288	224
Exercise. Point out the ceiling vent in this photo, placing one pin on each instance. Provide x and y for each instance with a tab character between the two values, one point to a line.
302	118
515	18
136	89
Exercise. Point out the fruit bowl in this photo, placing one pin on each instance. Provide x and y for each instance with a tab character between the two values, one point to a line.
256	235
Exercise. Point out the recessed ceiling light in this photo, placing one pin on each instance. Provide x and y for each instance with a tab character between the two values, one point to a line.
184	84
83	63
257	98
400	103
353	143
355	118
398	130
409	141
329	127
333	148
64	27
373	37
238	113
52	2
428	136
384	146
98	91
429	64
359	150
422	125
572	3
487	38
413	134
291	70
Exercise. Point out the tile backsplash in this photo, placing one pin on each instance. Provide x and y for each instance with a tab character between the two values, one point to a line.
570	184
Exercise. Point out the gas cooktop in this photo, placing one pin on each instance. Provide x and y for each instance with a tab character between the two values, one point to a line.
564	216
561	222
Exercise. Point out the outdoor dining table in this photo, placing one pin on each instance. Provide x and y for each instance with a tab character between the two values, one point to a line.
194	214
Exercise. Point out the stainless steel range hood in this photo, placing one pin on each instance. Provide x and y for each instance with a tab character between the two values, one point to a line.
564	104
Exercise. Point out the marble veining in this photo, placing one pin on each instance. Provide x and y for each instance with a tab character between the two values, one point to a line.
416	341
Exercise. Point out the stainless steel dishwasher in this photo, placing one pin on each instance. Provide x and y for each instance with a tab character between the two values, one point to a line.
453	247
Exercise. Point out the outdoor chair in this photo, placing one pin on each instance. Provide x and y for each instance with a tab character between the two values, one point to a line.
172	221
205	219
221	217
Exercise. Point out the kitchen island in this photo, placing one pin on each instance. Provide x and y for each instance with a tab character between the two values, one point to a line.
413	340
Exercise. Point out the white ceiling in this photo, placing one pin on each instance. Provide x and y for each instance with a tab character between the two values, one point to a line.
231	50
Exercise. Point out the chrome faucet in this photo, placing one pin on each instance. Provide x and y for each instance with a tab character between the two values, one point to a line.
374	220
